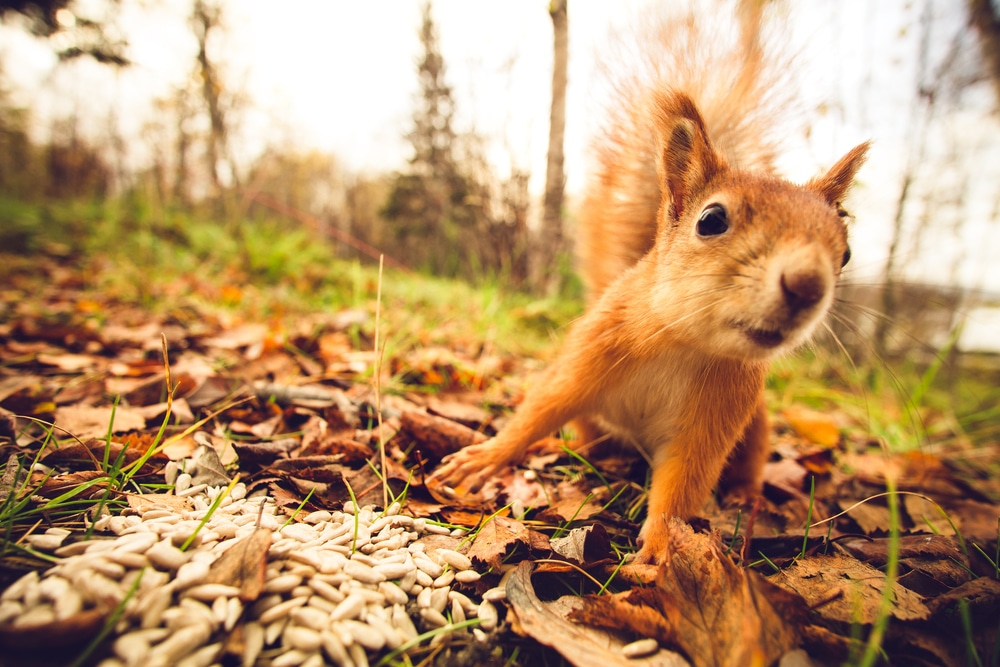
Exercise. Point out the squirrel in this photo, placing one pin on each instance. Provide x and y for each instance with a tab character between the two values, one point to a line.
702	265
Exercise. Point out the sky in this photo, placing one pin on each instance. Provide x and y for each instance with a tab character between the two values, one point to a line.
339	77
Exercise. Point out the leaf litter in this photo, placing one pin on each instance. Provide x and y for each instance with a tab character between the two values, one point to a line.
292	411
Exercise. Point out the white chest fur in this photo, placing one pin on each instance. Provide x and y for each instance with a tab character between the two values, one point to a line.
644	406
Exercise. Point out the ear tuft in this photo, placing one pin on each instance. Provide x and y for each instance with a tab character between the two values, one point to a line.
833	185
687	161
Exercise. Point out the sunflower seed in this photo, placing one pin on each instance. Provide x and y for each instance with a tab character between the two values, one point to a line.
487	615
640	648
457	560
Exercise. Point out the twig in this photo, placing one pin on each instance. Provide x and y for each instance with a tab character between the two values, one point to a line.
378	387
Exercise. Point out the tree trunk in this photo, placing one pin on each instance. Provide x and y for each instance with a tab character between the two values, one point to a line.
985	17
205	19
550	249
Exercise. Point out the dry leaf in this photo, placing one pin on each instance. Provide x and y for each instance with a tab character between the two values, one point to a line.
814	426
467	414
871	516
551	624
88	422
876	551
90	452
497	539
715	612
243	565
847	591
319	440
587	545
141	503
69	363
575	501
74	630
786	475
930	565
436	436
521	490
209	469
59	484
242	336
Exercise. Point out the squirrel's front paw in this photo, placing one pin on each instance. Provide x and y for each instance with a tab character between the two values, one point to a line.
653	542
468	468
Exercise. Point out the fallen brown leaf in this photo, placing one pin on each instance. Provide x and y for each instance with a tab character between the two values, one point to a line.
552	624
497	539
243	565
209	470
90	452
467	414
520	490
575	501
245	335
72	631
92	422
587	545
818	427
318	439
70	363
846	591
787	475
871	516
930	565
144	502
59	484
436	436
262	453
715	612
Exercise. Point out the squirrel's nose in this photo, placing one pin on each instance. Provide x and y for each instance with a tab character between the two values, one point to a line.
805	280
802	289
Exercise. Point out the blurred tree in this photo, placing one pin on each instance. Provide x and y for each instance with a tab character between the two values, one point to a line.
185	110
65	167
449	213
76	169
985	17
18	156
363	199
89	36
205	18
434	204
934	200
551	244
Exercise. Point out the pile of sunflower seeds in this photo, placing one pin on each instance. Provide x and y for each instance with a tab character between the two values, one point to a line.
340	587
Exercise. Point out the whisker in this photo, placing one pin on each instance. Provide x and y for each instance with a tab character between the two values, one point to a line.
675	322
850	360
878	316
912	411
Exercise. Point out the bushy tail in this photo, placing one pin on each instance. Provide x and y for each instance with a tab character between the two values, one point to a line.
721	54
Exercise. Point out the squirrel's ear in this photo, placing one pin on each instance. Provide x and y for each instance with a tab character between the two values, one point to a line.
686	161
833	185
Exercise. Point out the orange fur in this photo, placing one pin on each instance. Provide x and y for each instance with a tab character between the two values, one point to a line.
672	352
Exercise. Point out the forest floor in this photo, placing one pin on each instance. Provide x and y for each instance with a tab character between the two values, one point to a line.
876	540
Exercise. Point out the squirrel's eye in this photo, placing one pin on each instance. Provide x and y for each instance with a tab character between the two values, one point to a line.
713	221
847	257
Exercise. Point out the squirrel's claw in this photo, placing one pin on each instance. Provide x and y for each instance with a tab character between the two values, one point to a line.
468	468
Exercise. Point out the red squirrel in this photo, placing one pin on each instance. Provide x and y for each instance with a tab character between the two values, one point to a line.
702	266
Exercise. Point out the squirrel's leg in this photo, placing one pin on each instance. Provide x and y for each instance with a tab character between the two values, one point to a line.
566	391
546	407
687	467
742	480
683	476
587	432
